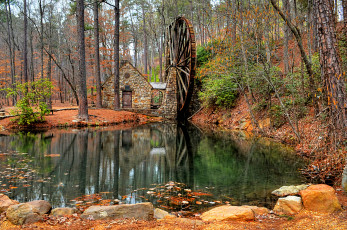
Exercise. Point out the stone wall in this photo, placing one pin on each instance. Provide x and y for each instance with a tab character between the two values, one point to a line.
130	80
169	108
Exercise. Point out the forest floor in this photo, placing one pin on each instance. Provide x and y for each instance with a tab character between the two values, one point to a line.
303	220
67	117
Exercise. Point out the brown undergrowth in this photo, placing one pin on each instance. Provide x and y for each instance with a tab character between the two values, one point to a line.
326	162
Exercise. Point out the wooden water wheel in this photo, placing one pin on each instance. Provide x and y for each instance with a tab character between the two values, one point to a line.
181	55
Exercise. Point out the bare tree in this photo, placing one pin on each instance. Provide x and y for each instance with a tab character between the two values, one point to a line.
82	84
286	37
116	56
145	38
97	54
25	49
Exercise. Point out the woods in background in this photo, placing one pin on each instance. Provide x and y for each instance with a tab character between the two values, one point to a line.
282	56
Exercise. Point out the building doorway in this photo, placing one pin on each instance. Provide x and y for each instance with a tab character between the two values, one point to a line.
127	99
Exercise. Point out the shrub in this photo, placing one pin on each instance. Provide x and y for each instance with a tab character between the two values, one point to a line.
220	91
203	55
277	116
31	107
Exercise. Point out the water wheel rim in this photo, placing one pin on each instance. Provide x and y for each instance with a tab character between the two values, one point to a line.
181	50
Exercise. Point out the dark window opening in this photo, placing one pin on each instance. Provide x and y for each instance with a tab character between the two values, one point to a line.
156	99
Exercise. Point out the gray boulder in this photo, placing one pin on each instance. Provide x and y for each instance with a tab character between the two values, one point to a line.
141	211
63	211
289	205
22	214
6	202
41	206
291	190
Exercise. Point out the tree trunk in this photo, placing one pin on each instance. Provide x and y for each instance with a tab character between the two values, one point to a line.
11	47
286	37
32	70
331	65
41	35
81	80
116	56
344	5
25	49
145	40
97	54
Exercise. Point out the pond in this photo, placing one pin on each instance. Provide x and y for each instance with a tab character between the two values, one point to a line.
175	167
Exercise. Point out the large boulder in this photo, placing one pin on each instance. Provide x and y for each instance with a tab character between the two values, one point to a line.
290	190
289	205
227	212
22	214
63	211
41	206
6	202
320	198
141	211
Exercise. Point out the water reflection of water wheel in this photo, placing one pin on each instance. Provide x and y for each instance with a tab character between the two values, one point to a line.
184	156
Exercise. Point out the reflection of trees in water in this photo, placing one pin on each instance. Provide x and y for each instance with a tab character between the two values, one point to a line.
114	162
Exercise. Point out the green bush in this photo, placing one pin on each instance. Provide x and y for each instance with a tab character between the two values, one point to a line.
32	106
220	91
203	55
277	116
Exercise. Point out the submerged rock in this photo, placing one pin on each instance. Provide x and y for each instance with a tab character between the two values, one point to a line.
141	211
63	211
320	198
6	202
289	205
291	190
227	212
22	214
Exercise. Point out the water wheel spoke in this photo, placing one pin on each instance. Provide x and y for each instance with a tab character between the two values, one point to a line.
181	54
181	39
183	71
181	139
183	153
183	51
187	59
180	91
182	82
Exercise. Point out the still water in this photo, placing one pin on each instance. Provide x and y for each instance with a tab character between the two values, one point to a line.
153	162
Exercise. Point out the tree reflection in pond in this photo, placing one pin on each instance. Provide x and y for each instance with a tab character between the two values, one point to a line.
124	164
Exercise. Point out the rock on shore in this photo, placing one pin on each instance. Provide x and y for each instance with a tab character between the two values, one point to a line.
6	202
227	212
141	211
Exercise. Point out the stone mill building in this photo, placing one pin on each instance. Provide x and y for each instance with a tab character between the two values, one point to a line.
139	95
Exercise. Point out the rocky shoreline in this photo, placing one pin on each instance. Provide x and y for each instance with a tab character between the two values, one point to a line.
292	200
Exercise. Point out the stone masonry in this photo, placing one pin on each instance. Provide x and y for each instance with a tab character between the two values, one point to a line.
131	80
